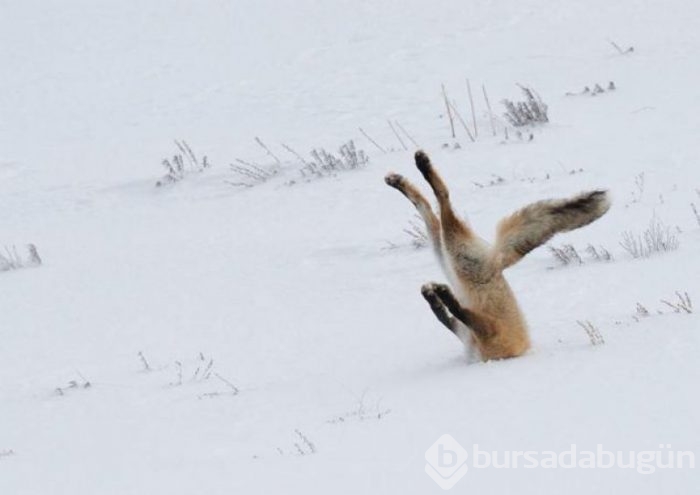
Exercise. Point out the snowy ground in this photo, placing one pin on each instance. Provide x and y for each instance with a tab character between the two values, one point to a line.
278	312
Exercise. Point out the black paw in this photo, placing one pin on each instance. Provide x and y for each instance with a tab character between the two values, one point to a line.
423	163
428	291
443	291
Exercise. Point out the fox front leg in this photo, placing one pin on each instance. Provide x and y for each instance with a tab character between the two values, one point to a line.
473	320
411	192
438	308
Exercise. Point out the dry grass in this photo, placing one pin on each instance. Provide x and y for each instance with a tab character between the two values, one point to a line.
12	259
683	304
656	238
531	111
182	164
594	335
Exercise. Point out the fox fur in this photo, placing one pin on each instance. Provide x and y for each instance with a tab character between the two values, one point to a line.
479	307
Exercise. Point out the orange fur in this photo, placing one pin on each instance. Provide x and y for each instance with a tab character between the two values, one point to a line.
481	301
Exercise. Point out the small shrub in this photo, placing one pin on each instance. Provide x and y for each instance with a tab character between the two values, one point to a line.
657	238
203	375
181	164
566	254
322	164
302	446
532	111
363	411
641	311
597	89
250	175
682	305
83	383
11	259
599	254
325	164
418	235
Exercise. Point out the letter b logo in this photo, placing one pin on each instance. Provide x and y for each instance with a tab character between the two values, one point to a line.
446	462
446	458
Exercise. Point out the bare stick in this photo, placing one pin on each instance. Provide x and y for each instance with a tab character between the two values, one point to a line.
488	105
593	333
471	104
630	49
461	120
449	111
144	362
695	211
301	159
234	389
406	133
307	442
372	140
617	47
187	151
403	145
262	145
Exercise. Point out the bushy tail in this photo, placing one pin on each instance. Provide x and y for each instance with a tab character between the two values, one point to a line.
538	222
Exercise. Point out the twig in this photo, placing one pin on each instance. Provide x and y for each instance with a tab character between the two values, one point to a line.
695	211
593	333
144	362
233	388
406	133
449	111
371	140
461	120
620	50
403	145
178	364
471	104
301	159
684	303
617	47
262	145
187	151
642	311
309	444
207	371
488	105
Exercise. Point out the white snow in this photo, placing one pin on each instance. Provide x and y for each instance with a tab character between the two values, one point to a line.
291	290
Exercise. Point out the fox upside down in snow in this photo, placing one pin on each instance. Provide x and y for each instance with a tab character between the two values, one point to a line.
482	310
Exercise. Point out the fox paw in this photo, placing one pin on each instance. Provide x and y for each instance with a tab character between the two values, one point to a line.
442	290
394	180
428	290
423	163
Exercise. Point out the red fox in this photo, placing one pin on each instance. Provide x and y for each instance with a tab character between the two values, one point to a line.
482	311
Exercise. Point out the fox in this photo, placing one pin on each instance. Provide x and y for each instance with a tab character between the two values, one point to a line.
478	306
